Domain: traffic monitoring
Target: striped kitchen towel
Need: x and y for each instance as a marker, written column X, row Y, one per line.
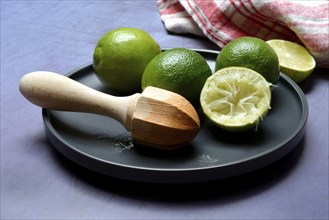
column 306, row 22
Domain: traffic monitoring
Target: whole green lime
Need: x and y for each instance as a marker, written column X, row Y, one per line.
column 252, row 53
column 179, row 70
column 121, row 56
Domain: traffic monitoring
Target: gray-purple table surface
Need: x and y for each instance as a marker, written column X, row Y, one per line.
column 37, row 182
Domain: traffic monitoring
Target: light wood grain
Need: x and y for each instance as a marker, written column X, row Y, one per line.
column 156, row 118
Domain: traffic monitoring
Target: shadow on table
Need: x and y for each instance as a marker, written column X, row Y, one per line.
column 309, row 83
column 232, row 188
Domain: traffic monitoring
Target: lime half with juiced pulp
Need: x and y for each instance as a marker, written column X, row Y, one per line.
column 236, row 98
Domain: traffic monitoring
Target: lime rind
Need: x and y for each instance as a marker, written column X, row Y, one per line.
column 236, row 98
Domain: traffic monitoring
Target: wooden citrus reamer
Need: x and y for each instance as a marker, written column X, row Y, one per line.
column 156, row 117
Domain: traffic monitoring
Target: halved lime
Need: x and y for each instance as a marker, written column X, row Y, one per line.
column 295, row 60
column 236, row 98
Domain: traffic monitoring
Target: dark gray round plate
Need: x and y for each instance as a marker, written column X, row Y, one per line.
column 103, row 145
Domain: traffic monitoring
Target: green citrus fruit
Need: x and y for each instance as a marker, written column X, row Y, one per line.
column 295, row 61
column 121, row 56
column 179, row 70
column 252, row 53
column 236, row 98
